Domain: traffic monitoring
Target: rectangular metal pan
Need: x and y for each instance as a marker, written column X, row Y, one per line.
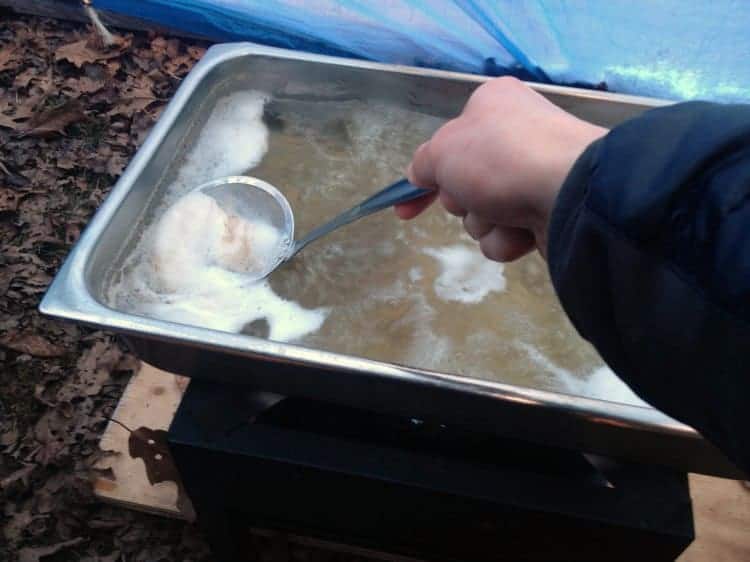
column 630, row 432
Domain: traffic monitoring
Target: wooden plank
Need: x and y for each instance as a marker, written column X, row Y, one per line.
column 150, row 400
column 722, row 520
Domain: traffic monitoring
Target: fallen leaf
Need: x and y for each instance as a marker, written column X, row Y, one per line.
column 65, row 162
column 43, row 84
column 83, row 85
column 173, row 47
column 113, row 66
column 20, row 112
column 55, row 120
column 9, row 122
column 174, row 65
column 46, row 496
column 133, row 536
column 114, row 557
column 50, row 451
column 101, row 523
column 8, row 199
column 151, row 446
column 33, row 344
column 72, row 232
column 20, row 474
column 8, row 55
column 22, row 80
column 115, row 165
column 196, row 52
column 102, row 355
column 9, row 436
column 133, row 100
column 15, row 527
column 35, row 554
column 40, row 392
column 79, row 53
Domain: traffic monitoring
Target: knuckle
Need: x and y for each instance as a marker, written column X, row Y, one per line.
column 489, row 251
column 508, row 82
column 490, row 91
column 443, row 137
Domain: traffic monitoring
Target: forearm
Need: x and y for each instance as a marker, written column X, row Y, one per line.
column 649, row 251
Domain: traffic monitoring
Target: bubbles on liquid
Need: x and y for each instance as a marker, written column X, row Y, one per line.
column 601, row 383
column 233, row 140
column 466, row 276
column 197, row 263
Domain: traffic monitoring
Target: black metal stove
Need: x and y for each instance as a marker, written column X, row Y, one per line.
column 408, row 487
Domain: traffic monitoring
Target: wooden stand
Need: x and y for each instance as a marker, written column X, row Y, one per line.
column 721, row 507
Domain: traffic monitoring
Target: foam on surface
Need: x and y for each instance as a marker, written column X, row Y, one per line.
column 602, row 383
column 232, row 141
column 196, row 237
column 466, row 275
column 195, row 264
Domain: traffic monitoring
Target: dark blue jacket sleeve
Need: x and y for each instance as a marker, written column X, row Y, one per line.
column 649, row 252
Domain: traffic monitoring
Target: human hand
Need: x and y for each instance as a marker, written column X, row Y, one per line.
column 500, row 165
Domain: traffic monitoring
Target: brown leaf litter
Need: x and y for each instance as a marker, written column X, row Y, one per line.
column 32, row 344
column 81, row 52
column 55, row 120
column 72, row 114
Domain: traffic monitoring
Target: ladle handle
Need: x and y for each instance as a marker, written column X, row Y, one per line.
column 399, row 192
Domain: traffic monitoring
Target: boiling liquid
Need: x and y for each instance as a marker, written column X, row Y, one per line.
column 417, row 293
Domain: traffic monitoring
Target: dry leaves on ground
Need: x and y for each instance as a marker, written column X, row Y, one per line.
column 82, row 52
column 55, row 120
column 35, row 554
column 31, row 344
column 72, row 113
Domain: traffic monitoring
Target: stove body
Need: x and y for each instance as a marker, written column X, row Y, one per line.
column 402, row 487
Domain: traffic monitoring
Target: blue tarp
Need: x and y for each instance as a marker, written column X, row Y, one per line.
column 674, row 49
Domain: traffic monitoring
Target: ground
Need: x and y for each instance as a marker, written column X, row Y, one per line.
column 72, row 113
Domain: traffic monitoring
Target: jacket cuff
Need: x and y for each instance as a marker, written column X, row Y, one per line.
column 568, row 205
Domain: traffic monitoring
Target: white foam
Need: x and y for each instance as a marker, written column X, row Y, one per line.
column 233, row 140
column 229, row 305
column 466, row 275
column 195, row 235
column 415, row 274
column 602, row 383
column 195, row 264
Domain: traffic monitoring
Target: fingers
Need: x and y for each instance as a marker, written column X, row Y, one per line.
column 476, row 227
column 506, row 244
column 421, row 171
column 497, row 242
column 451, row 205
column 411, row 209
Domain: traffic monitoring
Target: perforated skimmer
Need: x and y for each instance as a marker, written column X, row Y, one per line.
column 254, row 199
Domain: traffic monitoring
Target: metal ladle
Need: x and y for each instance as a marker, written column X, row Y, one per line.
column 256, row 200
